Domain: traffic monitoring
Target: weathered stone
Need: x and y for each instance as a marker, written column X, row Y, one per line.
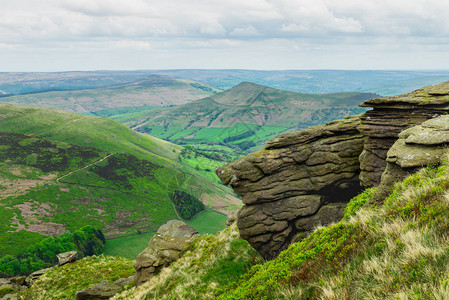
column 232, row 217
column 292, row 177
column 103, row 290
column 414, row 155
column 35, row 275
column 390, row 116
column 416, row 147
column 67, row 257
column 17, row 283
column 329, row 213
column 302, row 179
column 165, row 247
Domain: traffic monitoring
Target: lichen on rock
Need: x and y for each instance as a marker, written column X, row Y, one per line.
column 417, row 147
column 389, row 117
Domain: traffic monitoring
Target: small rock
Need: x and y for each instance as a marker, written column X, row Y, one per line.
column 35, row 275
column 103, row 290
column 67, row 257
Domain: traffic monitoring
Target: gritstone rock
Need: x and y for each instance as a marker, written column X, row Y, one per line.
column 165, row 247
column 390, row 116
column 287, row 186
column 67, row 257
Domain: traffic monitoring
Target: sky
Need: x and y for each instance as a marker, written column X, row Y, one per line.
column 63, row 35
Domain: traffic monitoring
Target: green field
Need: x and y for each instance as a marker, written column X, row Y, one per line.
column 208, row 222
column 128, row 246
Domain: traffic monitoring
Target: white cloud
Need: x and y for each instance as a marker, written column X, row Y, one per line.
column 247, row 31
column 172, row 25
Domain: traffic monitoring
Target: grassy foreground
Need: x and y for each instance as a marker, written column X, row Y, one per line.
column 63, row 282
column 397, row 251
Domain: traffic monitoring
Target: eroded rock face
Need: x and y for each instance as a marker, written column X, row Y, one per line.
column 416, row 147
column 390, row 116
column 165, row 247
column 298, row 181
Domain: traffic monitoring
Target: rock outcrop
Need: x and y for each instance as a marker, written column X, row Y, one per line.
column 416, row 147
column 165, row 247
column 295, row 183
column 303, row 179
column 390, row 116
column 104, row 289
column 67, row 257
column 35, row 276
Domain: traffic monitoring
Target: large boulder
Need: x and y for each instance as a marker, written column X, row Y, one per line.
column 298, row 181
column 165, row 247
column 416, row 147
column 389, row 117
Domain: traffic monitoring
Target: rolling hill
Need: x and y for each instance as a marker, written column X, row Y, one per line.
column 32, row 82
column 243, row 118
column 383, row 82
column 144, row 94
column 60, row 171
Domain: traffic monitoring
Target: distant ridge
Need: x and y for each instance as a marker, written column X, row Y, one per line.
column 145, row 93
column 244, row 117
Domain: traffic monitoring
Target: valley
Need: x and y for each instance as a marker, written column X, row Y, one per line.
column 241, row 119
column 126, row 158
column 61, row 171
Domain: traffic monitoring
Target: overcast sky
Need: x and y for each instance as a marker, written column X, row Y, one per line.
column 56, row 35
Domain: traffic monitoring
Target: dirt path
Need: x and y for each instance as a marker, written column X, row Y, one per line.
column 176, row 211
column 85, row 167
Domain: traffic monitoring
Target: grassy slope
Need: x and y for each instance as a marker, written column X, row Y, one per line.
column 242, row 118
column 63, row 282
column 154, row 91
column 120, row 194
column 135, row 198
column 397, row 251
column 210, row 263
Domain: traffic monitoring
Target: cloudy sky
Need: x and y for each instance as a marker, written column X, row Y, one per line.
column 56, row 35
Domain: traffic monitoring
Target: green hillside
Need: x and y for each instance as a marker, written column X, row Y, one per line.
column 142, row 95
column 397, row 251
column 60, row 171
column 243, row 118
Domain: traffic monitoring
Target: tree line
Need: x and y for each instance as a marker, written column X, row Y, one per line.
column 87, row 241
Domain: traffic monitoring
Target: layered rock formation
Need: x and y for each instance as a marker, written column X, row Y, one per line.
column 299, row 180
column 303, row 179
column 390, row 116
column 165, row 247
column 416, row 147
